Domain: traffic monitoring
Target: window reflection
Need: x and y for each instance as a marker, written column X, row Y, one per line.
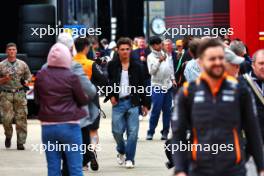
column 82, row 12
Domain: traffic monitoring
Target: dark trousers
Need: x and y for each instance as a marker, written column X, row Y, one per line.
column 168, row 153
column 86, row 140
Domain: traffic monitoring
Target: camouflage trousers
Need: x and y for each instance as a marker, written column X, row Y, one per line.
column 13, row 106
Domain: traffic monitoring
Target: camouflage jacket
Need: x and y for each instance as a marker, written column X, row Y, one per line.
column 18, row 71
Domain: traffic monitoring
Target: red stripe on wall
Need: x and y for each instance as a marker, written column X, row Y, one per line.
column 200, row 14
column 198, row 21
column 204, row 18
column 192, row 17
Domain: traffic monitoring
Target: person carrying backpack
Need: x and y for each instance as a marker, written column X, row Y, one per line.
column 215, row 109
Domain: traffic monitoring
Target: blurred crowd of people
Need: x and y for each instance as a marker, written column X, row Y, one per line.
column 209, row 91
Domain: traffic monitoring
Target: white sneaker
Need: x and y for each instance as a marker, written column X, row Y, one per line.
column 85, row 168
column 120, row 159
column 147, row 117
column 129, row 164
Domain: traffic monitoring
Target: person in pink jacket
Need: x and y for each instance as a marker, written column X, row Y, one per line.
column 59, row 93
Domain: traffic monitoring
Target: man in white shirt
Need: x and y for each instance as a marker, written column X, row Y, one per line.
column 126, row 75
column 162, row 78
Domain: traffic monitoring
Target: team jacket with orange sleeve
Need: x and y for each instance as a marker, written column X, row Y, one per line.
column 216, row 117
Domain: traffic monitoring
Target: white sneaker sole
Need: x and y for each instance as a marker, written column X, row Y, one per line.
column 121, row 161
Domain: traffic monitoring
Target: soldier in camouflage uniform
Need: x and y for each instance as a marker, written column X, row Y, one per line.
column 13, row 102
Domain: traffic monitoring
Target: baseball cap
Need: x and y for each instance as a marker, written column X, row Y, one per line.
column 232, row 58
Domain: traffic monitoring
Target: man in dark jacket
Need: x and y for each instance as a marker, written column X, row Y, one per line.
column 126, row 75
column 181, row 59
column 257, row 76
column 94, row 73
column 140, row 55
column 239, row 48
column 203, row 109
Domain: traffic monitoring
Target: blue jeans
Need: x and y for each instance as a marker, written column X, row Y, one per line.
column 56, row 135
column 160, row 102
column 125, row 118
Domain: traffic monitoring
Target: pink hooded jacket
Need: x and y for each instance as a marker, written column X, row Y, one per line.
column 59, row 56
column 58, row 90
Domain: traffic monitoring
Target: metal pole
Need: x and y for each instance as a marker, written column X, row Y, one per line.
column 111, row 15
column 111, row 9
column 96, row 13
